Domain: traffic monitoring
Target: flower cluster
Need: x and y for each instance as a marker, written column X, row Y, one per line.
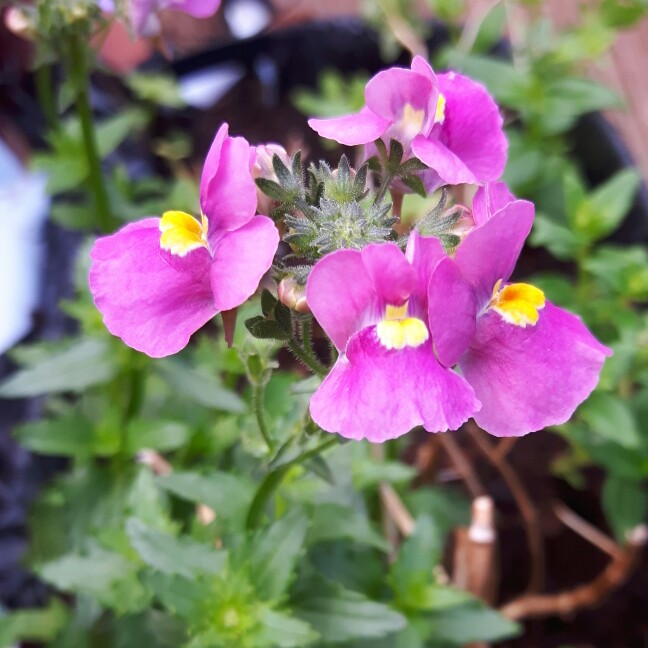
column 427, row 334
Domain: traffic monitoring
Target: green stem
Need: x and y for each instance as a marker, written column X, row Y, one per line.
column 45, row 94
column 258, row 399
column 272, row 480
column 79, row 73
column 308, row 358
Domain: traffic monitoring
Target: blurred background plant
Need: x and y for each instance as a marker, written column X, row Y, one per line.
column 173, row 521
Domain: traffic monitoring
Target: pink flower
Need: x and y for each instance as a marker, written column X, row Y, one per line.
column 530, row 363
column 141, row 14
column 387, row 379
column 159, row 280
column 448, row 121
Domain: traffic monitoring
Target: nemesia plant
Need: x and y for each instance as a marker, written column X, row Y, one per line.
column 159, row 280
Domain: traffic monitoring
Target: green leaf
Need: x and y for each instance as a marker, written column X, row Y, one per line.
column 625, row 503
column 369, row 473
column 611, row 418
column 182, row 556
column 415, row 184
column 284, row 631
column 69, row 436
column 228, row 494
column 266, row 329
column 335, row 522
column 89, row 362
column 341, row 615
column 181, row 596
column 105, row 576
column 411, row 574
column 274, row 554
column 560, row 241
column 271, row 189
column 202, row 387
column 156, row 434
column 458, row 626
column 580, row 95
column 602, row 211
column 159, row 89
column 38, row 625
column 113, row 131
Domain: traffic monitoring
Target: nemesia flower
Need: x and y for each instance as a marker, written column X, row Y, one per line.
column 142, row 14
column 387, row 379
column 159, row 280
column 447, row 121
column 530, row 363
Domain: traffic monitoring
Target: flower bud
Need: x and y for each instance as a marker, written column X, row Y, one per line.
column 262, row 167
column 291, row 294
column 18, row 23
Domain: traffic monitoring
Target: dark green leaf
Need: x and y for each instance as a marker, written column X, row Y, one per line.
column 38, row 625
column 156, row 435
column 271, row 189
column 415, row 184
column 625, row 503
column 611, row 418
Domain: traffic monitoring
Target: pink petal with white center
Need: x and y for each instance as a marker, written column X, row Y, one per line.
column 350, row 130
column 378, row 394
column 241, row 258
column 341, row 294
column 391, row 274
column 533, row 377
column 149, row 305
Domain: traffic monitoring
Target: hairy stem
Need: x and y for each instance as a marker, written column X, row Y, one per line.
column 258, row 398
column 307, row 357
column 79, row 74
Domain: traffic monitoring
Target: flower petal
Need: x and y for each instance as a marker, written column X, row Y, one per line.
column 489, row 252
column 149, row 305
column 358, row 128
column 449, row 167
column 391, row 274
column 472, row 129
column 423, row 252
column 228, row 194
column 376, row 394
column 195, row 8
column 340, row 293
column 241, row 258
column 388, row 92
column 529, row 378
column 489, row 199
column 452, row 312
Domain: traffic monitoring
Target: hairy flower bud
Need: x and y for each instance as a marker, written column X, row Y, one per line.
column 263, row 167
column 18, row 23
column 291, row 294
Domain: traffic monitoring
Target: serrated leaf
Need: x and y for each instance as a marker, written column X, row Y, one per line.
column 265, row 329
column 283, row 317
column 156, row 434
column 395, row 156
column 268, row 302
column 89, row 362
column 340, row 615
column 602, row 211
column 611, row 418
column 335, row 522
column 182, row 556
column 274, row 553
column 104, row 576
column 411, row 574
column 202, row 387
column 461, row 625
column 228, row 494
column 284, row 631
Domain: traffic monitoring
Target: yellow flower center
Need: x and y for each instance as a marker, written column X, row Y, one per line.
column 398, row 331
column 411, row 121
column 439, row 116
column 518, row 303
column 181, row 233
